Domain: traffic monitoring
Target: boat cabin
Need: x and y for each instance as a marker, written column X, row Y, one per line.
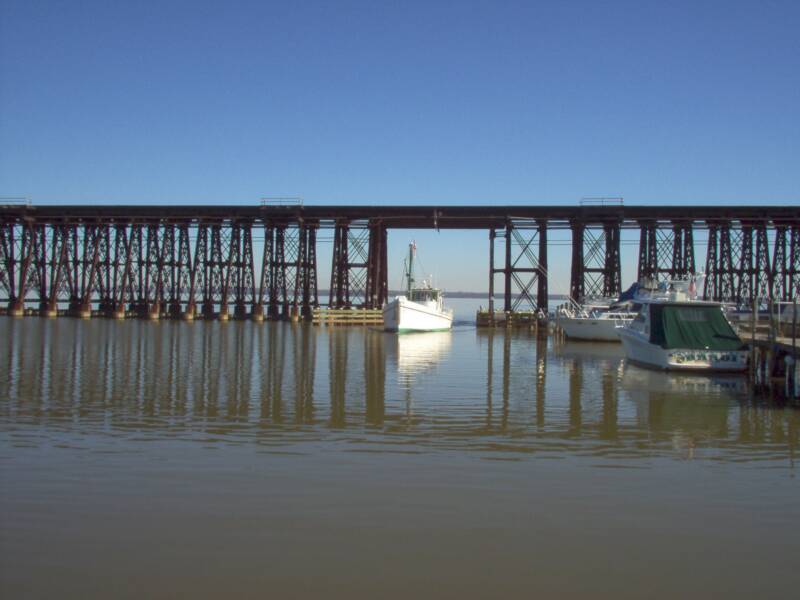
column 424, row 295
column 686, row 325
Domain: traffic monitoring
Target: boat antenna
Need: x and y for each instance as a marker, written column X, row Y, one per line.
column 412, row 250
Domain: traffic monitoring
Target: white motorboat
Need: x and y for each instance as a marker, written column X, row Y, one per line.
column 421, row 309
column 674, row 331
column 593, row 321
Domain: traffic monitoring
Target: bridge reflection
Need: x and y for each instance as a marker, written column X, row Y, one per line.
column 486, row 389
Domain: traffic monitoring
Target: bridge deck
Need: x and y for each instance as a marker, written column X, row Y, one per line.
column 422, row 217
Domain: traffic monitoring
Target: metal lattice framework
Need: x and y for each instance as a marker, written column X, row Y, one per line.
column 666, row 251
column 359, row 273
column 525, row 266
column 155, row 269
column 596, row 263
column 242, row 261
column 738, row 263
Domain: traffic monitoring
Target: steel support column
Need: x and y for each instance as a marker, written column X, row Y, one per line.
column 338, row 297
column 265, row 280
column 683, row 264
column 25, row 258
column 278, row 302
column 377, row 283
column 525, row 267
column 542, row 292
column 648, row 251
column 599, row 256
column 612, row 268
column 793, row 266
column 576, row 287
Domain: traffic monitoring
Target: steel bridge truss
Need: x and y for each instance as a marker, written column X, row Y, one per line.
column 596, row 269
column 666, row 251
column 157, row 269
column 738, row 264
column 524, row 267
column 359, row 273
column 219, row 261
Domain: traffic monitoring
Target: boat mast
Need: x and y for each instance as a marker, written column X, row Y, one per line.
column 412, row 247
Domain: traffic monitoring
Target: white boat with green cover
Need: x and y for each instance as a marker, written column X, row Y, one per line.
column 674, row 332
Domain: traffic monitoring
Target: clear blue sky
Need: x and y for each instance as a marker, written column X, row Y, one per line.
column 401, row 102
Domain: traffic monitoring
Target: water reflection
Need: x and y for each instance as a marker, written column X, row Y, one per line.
column 417, row 353
column 490, row 391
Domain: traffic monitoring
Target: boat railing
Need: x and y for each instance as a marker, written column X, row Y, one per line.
column 621, row 318
column 572, row 309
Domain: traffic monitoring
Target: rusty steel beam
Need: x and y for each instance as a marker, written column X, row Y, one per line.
column 311, row 288
column 24, row 260
column 612, row 267
column 40, row 264
column 542, row 293
column 266, row 273
column 407, row 216
column 683, row 263
column 648, row 250
column 278, row 300
column 244, row 273
column 577, row 287
column 299, row 304
column 377, row 281
column 340, row 273
column 793, row 263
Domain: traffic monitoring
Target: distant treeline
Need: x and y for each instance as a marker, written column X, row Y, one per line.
column 460, row 294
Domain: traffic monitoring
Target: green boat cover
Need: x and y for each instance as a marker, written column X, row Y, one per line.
column 692, row 327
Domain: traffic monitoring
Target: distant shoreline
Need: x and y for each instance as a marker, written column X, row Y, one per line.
column 480, row 295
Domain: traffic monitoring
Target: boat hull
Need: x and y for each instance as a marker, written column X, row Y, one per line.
column 581, row 328
column 639, row 350
column 402, row 315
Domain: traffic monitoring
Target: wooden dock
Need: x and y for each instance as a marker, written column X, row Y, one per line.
column 773, row 355
column 513, row 320
column 347, row 316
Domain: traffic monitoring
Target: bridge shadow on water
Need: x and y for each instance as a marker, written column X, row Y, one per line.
column 507, row 395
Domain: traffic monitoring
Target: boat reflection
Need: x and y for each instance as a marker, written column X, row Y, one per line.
column 637, row 379
column 418, row 353
column 493, row 391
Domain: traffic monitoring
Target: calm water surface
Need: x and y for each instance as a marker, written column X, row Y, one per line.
column 204, row 460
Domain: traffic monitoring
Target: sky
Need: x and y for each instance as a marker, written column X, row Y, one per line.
column 402, row 103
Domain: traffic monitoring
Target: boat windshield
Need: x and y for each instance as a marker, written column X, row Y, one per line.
column 424, row 295
column 692, row 327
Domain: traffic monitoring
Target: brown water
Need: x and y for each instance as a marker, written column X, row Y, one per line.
column 206, row 460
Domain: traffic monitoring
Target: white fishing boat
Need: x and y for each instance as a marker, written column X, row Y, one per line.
column 674, row 331
column 421, row 309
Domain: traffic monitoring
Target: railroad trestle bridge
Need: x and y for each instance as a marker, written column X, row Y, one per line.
column 261, row 261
